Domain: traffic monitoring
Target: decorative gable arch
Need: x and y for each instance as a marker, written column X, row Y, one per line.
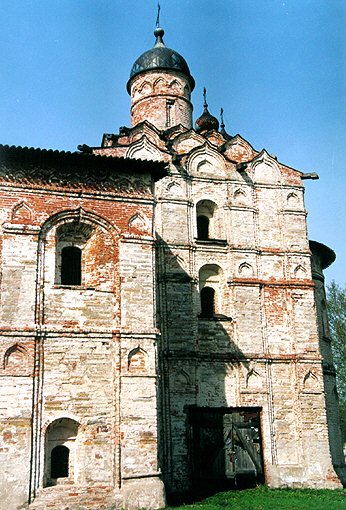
column 246, row 269
column 21, row 212
column 79, row 215
column 241, row 197
column 175, row 86
column 265, row 170
column 137, row 361
column 174, row 189
column 145, row 88
column 184, row 141
column 139, row 222
column 144, row 149
column 300, row 272
column 292, row 200
column 16, row 357
column 238, row 149
column 253, row 380
column 160, row 83
column 205, row 161
column 311, row 383
column 182, row 381
column 215, row 138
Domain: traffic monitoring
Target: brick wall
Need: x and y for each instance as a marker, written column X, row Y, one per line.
column 78, row 357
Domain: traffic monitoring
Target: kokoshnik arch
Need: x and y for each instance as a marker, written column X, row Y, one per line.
column 163, row 323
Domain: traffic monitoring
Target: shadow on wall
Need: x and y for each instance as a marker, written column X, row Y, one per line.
column 205, row 444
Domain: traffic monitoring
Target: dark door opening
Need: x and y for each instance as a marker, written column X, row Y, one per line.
column 226, row 448
column 59, row 462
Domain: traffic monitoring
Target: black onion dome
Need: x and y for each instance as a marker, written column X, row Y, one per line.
column 207, row 121
column 160, row 57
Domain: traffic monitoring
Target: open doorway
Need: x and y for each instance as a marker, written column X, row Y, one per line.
column 59, row 462
column 60, row 452
column 226, row 448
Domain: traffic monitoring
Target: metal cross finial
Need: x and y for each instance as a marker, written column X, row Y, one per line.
column 158, row 15
column 222, row 122
column 205, row 97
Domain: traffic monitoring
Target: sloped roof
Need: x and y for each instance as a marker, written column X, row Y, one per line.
column 57, row 158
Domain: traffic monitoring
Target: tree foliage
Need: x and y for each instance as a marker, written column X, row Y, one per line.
column 336, row 296
column 337, row 325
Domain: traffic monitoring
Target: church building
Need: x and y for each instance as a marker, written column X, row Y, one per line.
column 163, row 322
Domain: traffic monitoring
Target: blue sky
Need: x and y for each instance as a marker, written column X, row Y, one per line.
column 277, row 67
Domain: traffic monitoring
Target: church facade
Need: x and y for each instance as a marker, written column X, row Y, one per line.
column 163, row 319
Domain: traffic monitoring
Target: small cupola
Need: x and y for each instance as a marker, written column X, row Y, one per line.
column 160, row 58
column 206, row 122
column 160, row 87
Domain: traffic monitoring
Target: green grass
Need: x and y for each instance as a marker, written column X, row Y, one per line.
column 263, row 498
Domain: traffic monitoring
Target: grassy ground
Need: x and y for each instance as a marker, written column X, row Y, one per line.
column 263, row 498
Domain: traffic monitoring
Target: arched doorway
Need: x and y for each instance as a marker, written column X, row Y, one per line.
column 61, row 452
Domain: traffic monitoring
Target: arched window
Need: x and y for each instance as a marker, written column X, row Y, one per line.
column 72, row 240
column 202, row 228
column 71, row 265
column 207, row 302
column 84, row 254
column 59, row 464
column 61, row 452
column 210, row 277
column 207, row 220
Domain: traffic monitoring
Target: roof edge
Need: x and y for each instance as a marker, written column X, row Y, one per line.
column 326, row 254
column 9, row 153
